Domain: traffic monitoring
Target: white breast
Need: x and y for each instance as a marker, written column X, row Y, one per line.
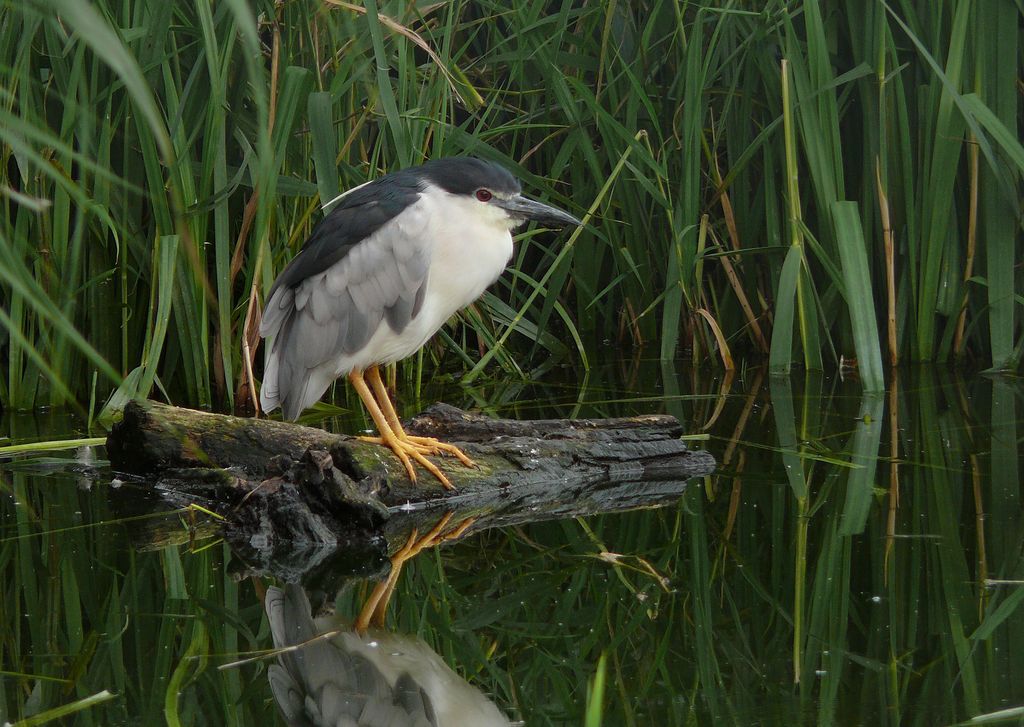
column 470, row 247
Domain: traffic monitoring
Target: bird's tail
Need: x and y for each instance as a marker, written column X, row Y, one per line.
column 287, row 383
column 279, row 309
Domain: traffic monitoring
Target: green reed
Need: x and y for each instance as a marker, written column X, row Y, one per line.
column 162, row 161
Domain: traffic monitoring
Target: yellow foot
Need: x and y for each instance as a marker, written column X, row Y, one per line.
column 407, row 451
column 410, row 447
column 435, row 446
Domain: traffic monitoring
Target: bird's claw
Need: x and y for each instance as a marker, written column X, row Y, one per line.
column 409, row 447
column 435, row 446
column 406, row 451
column 374, row 394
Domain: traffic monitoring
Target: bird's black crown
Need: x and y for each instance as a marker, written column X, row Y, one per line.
column 465, row 175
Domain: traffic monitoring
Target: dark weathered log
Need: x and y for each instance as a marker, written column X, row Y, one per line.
column 153, row 438
column 287, row 489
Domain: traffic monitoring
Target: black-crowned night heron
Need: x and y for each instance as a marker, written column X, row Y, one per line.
column 381, row 273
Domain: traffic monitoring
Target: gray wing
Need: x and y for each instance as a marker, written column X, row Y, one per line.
column 335, row 309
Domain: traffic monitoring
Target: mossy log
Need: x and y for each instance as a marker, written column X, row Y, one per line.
column 289, row 489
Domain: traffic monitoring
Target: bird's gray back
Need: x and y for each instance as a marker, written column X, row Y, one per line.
column 363, row 210
column 358, row 215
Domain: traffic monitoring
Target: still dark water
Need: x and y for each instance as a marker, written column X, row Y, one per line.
column 854, row 560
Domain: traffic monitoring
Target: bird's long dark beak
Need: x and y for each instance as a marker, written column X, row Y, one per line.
column 527, row 209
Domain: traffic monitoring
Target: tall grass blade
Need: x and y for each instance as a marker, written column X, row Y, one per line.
column 998, row 75
column 781, row 357
column 860, row 299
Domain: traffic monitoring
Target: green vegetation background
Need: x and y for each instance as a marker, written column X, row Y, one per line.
column 802, row 180
column 774, row 180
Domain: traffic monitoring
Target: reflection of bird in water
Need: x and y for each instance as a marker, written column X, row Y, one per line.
column 329, row 674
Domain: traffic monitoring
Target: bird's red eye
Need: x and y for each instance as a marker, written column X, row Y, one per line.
column 484, row 195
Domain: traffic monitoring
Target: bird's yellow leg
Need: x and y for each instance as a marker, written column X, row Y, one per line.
column 405, row 451
column 380, row 393
column 428, row 445
column 375, row 608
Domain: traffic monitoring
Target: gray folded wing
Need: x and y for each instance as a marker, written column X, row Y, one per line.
column 335, row 294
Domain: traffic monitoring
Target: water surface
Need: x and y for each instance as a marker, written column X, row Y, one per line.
column 854, row 560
